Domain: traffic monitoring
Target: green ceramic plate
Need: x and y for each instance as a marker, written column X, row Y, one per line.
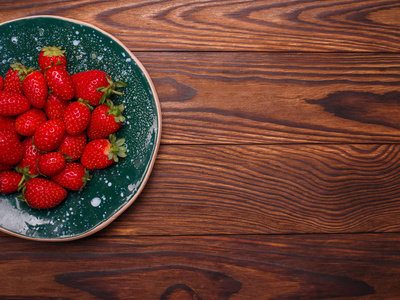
column 113, row 190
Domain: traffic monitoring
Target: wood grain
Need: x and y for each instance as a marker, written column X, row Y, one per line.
column 277, row 177
column 209, row 98
column 259, row 189
column 233, row 25
column 365, row 266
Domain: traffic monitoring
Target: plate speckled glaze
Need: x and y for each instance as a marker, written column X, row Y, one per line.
column 112, row 190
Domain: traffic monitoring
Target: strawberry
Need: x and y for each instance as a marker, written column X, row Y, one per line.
column 55, row 107
column 8, row 123
column 34, row 88
column 72, row 146
column 50, row 56
column 60, row 82
column 30, row 158
column 101, row 153
column 95, row 86
column 76, row 117
column 27, row 123
column 1, row 83
column 49, row 135
column 43, row 193
column 12, row 80
column 51, row 163
column 9, row 181
column 12, row 103
column 73, row 177
column 11, row 149
column 106, row 119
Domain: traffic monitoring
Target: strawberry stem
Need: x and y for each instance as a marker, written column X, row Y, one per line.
column 25, row 177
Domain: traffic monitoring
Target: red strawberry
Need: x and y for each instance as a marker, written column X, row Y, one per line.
column 12, row 103
column 95, row 86
column 50, row 56
column 101, row 153
column 106, row 119
column 27, row 123
column 60, row 82
column 1, row 83
column 50, row 164
column 31, row 157
column 34, row 88
column 43, row 193
column 72, row 146
column 9, row 181
column 12, row 80
column 76, row 117
column 11, row 149
column 8, row 123
column 55, row 107
column 73, row 177
column 49, row 135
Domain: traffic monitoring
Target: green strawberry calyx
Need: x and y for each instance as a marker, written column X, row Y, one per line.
column 117, row 150
column 85, row 102
column 85, row 179
column 116, row 111
column 108, row 91
column 26, row 176
column 23, row 71
column 51, row 51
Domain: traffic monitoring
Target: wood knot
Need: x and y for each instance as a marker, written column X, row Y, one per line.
column 180, row 292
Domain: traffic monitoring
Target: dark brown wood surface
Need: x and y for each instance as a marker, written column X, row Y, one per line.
column 278, row 175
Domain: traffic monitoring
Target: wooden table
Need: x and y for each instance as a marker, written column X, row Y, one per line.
column 278, row 174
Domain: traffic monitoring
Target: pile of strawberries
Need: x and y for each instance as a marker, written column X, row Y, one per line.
column 55, row 127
